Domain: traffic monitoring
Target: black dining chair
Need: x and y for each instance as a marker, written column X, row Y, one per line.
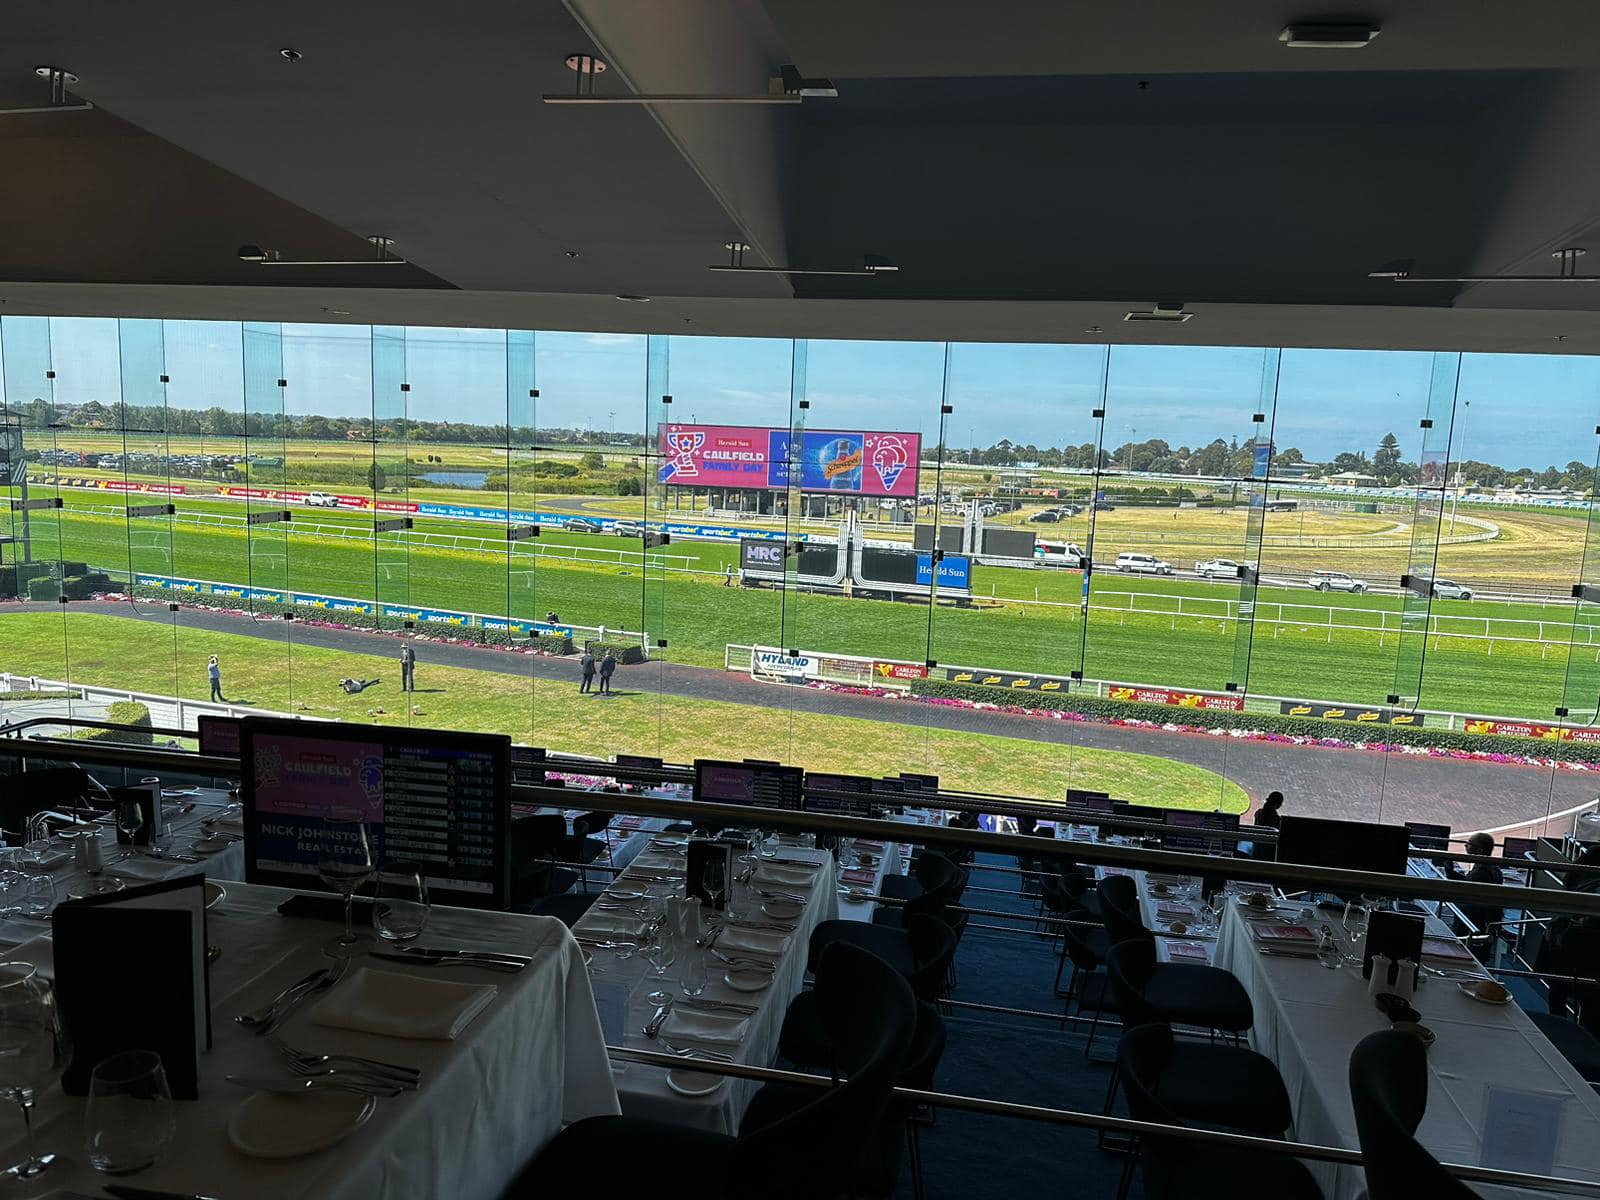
column 931, row 872
column 1176, row 993
column 1178, row 1169
column 582, row 847
column 1576, row 1044
column 921, row 950
column 1119, row 909
column 1089, row 986
column 534, row 873
column 62, row 788
column 1206, row 1083
column 1389, row 1092
column 800, row 1142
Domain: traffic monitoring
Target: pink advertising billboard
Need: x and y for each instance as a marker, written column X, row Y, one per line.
column 856, row 463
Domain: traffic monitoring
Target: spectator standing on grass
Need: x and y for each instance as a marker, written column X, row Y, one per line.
column 608, row 666
column 214, row 670
column 408, row 668
column 587, row 662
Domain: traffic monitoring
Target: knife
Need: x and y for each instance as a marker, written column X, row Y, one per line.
column 465, row 952
column 123, row 1192
column 444, row 960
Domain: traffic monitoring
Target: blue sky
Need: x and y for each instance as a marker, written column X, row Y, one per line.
column 1514, row 410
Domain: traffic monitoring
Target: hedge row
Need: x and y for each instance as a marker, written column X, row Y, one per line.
column 122, row 712
column 1310, row 727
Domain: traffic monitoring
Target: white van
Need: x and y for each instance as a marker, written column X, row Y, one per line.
column 1145, row 564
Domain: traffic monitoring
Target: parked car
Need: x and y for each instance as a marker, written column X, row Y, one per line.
column 1144, row 564
column 322, row 500
column 1448, row 589
column 1337, row 581
column 1218, row 568
column 582, row 525
column 626, row 529
column 1104, row 506
column 1048, row 516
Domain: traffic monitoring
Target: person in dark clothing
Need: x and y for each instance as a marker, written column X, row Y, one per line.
column 408, row 668
column 355, row 687
column 587, row 662
column 608, row 667
column 1267, row 814
column 1485, row 870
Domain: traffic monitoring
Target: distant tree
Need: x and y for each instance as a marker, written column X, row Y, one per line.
column 593, row 460
column 1351, row 462
column 1386, row 460
column 1288, row 457
column 630, row 485
column 375, row 477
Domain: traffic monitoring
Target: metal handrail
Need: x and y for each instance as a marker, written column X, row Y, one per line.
column 1103, row 1121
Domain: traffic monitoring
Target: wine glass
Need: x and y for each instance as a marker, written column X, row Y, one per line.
column 344, row 863
column 130, row 819
column 34, row 1050
column 714, row 881
column 661, row 953
column 128, row 1123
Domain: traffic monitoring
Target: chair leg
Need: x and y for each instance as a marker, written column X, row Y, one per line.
column 1094, row 1027
column 1127, row 1170
column 1061, row 966
column 914, row 1156
column 1111, row 1098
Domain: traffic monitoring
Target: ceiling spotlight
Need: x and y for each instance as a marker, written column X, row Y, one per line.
column 1094, row 329
column 274, row 258
column 1400, row 271
column 871, row 264
column 632, row 299
column 789, row 87
column 289, row 54
column 60, row 80
column 1169, row 312
column 337, row 312
column 1328, row 35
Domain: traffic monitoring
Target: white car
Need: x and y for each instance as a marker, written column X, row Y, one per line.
column 1218, row 568
column 1447, row 589
column 628, row 529
column 1337, row 581
column 322, row 500
column 1146, row 564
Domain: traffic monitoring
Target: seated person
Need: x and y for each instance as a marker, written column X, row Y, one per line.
column 1485, row 870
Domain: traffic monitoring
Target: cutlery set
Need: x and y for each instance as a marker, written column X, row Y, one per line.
column 430, row 956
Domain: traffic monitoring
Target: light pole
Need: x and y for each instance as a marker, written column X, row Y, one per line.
column 1455, row 498
column 613, row 427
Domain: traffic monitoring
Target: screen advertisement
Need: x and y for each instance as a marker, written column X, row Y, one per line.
column 850, row 462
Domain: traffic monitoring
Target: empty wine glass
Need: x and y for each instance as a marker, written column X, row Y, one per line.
column 661, row 953
column 714, row 881
column 344, row 863
column 130, row 819
column 128, row 1123
column 34, row 1050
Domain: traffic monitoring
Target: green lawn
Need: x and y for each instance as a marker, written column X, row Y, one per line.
column 111, row 651
column 1294, row 652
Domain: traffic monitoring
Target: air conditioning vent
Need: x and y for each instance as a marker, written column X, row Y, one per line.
column 1171, row 313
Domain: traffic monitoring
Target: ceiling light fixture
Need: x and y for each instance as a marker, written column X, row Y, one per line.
column 1328, row 35
column 1169, row 312
column 633, row 299
column 1401, row 271
column 290, row 54
column 274, row 258
column 60, row 80
column 871, row 264
column 789, row 87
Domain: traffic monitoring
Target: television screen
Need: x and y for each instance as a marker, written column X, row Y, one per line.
column 1428, row 837
column 639, row 762
column 1352, row 845
column 1519, row 848
column 431, row 797
column 847, row 794
column 1182, row 832
column 920, row 783
column 762, row 785
column 219, row 735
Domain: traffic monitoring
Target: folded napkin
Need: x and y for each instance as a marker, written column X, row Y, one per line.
column 403, row 1006
column 704, row 1027
column 140, row 867
column 785, row 876
column 870, row 847
column 755, row 941
column 612, row 924
column 658, row 862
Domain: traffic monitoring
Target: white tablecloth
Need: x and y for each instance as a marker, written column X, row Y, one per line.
column 643, row 1089
column 1308, row 1020
column 889, row 863
column 490, row 1100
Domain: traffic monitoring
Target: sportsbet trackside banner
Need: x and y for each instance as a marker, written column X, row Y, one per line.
column 853, row 463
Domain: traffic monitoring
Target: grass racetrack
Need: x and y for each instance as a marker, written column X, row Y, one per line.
column 273, row 672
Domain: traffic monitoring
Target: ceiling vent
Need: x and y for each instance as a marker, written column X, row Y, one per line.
column 1171, row 313
column 1328, row 35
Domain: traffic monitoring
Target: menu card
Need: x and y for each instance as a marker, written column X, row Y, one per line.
column 1192, row 951
column 699, row 852
column 131, row 975
column 1288, row 939
column 1446, row 948
column 1397, row 936
column 148, row 797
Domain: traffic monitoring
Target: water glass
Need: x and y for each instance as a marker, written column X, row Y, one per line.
column 128, row 1123
column 693, row 975
column 34, row 1050
column 36, row 896
column 400, row 908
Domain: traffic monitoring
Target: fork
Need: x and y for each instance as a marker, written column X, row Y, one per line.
column 361, row 1075
column 308, row 1059
column 334, row 974
column 697, row 1052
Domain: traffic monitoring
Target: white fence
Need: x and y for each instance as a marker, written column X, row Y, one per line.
column 167, row 712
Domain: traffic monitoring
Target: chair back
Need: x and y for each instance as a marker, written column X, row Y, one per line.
column 1129, row 966
column 1080, row 949
column 537, row 836
column 30, row 792
column 1119, row 906
column 1389, row 1092
column 1142, row 1055
column 590, row 823
column 933, row 945
column 936, row 873
column 868, row 1014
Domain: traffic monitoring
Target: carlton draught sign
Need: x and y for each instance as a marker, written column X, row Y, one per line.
column 854, row 463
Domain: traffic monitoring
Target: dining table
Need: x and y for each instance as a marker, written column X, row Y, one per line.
column 1499, row 1093
column 739, row 1015
column 489, row 1097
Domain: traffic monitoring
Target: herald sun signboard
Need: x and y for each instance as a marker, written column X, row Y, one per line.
column 852, row 463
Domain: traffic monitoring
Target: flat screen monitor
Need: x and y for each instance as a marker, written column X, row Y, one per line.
column 1183, row 830
column 1428, row 837
column 1352, row 845
column 639, row 762
column 1519, row 848
column 920, row 783
column 849, row 794
column 219, row 735
column 432, row 797
column 527, row 764
column 762, row 785
column 1094, row 801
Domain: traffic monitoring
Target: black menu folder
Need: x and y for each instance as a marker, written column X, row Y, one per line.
column 1397, row 935
column 699, row 852
column 130, row 974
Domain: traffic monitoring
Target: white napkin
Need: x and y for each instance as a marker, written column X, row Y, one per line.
column 658, row 862
column 704, row 1027
column 785, row 876
column 757, row 941
column 612, row 924
column 403, row 1006
column 141, row 867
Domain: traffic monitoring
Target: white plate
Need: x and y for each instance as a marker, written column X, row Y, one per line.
column 747, row 979
column 783, row 910
column 1466, row 989
column 215, row 893
column 269, row 1125
column 103, row 886
column 626, row 893
column 693, row 1083
column 211, row 844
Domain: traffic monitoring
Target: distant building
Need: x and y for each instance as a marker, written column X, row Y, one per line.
column 1353, row 479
